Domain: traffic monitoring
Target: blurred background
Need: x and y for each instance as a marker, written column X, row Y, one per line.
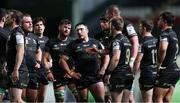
column 89, row 11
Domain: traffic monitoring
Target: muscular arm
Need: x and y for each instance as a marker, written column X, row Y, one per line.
column 19, row 56
column 46, row 60
column 104, row 63
column 63, row 63
column 138, row 61
column 162, row 51
column 38, row 54
column 135, row 45
column 114, row 60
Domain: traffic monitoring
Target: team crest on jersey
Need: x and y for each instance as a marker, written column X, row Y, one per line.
column 78, row 49
column 55, row 46
column 115, row 45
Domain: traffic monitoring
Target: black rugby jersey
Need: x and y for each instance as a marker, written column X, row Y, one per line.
column 121, row 43
column 148, row 47
column 32, row 45
column 42, row 41
column 3, row 40
column 104, row 38
column 171, row 54
column 56, row 49
column 85, row 63
column 16, row 37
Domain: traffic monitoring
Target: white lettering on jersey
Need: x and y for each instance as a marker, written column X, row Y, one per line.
column 19, row 39
column 130, row 30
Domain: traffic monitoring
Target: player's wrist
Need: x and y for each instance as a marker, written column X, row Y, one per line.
column 48, row 71
column 70, row 73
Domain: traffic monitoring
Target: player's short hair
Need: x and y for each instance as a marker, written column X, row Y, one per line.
column 64, row 21
column 104, row 18
column 148, row 24
column 168, row 17
column 37, row 19
column 81, row 23
column 3, row 13
column 118, row 23
column 17, row 15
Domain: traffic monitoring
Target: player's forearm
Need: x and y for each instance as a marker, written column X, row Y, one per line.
column 19, row 56
column 135, row 45
column 46, row 61
column 39, row 55
column 105, row 63
column 63, row 63
column 161, row 56
column 113, row 63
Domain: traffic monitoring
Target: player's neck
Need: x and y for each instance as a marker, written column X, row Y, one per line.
column 85, row 39
column 147, row 34
column 63, row 38
column 39, row 35
column 117, row 33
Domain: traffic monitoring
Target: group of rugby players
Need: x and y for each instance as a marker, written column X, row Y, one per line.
column 104, row 65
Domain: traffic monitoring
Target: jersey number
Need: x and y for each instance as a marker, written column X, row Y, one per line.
column 154, row 56
column 128, row 53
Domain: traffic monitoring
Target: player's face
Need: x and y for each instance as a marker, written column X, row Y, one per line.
column 27, row 23
column 104, row 25
column 39, row 27
column 82, row 32
column 65, row 29
column 9, row 20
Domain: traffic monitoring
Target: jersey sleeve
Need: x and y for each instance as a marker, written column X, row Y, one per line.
column 19, row 38
column 164, row 37
column 116, row 45
column 130, row 30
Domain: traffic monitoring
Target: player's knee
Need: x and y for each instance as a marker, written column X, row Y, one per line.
column 59, row 95
column 74, row 91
